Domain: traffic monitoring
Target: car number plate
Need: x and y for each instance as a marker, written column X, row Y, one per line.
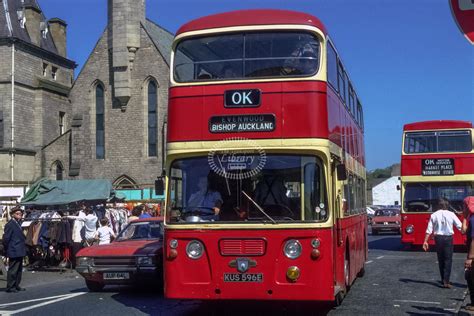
column 243, row 277
column 116, row 275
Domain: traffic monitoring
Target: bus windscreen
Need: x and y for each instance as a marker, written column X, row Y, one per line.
column 423, row 196
column 247, row 188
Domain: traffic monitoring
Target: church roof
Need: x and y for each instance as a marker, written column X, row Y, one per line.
column 10, row 24
column 162, row 39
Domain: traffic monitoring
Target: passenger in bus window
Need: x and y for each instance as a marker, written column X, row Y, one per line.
column 302, row 61
column 227, row 72
column 206, row 200
column 203, row 74
column 308, row 63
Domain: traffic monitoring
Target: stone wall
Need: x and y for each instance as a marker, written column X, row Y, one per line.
column 126, row 149
column 57, row 151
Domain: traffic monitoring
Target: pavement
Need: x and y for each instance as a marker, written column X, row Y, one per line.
column 466, row 301
column 40, row 278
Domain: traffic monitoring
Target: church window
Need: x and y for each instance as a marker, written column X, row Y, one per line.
column 54, row 72
column 99, row 122
column 2, row 127
column 61, row 122
column 152, row 120
column 59, row 171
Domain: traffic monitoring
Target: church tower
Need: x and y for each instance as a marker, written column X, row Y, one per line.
column 124, row 20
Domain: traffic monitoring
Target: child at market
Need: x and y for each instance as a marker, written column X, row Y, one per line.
column 104, row 234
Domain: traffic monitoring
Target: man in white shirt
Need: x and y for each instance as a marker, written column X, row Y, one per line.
column 441, row 225
column 90, row 225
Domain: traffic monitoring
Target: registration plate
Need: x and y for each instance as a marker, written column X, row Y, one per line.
column 243, row 277
column 116, row 276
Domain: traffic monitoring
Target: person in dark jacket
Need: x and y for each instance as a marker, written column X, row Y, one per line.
column 15, row 249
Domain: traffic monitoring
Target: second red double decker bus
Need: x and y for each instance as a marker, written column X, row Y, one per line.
column 437, row 162
column 265, row 162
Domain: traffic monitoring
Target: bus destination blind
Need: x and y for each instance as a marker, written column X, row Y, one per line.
column 437, row 167
column 242, row 123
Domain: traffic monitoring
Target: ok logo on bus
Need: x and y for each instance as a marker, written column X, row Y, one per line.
column 242, row 98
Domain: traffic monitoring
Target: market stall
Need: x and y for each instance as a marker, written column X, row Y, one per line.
column 48, row 222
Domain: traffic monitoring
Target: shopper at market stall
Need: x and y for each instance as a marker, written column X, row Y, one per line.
column 104, row 234
column 78, row 232
column 136, row 212
column 90, row 226
column 15, row 249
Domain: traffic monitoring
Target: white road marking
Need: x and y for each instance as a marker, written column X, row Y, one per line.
column 419, row 302
column 379, row 257
column 370, row 261
column 35, row 300
column 58, row 299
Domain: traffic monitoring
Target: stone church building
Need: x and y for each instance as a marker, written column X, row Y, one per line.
column 108, row 123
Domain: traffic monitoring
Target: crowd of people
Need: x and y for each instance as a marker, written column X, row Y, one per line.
column 90, row 225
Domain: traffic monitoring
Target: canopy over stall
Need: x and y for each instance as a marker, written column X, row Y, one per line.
column 61, row 192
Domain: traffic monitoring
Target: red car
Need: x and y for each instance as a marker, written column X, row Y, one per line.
column 386, row 220
column 135, row 256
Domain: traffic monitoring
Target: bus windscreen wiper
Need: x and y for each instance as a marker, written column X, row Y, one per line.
column 258, row 207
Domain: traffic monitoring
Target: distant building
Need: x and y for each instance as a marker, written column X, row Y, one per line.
column 35, row 80
column 386, row 192
column 375, row 182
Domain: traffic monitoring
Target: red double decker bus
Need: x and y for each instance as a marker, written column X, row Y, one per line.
column 265, row 162
column 437, row 162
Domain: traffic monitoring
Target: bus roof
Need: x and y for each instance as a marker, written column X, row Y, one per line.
column 438, row 124
column 251, row 17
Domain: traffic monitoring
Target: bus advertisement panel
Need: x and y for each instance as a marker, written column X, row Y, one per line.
column 265, row 170
column 437, row 162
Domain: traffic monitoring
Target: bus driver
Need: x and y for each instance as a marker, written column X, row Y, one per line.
column 206, row 201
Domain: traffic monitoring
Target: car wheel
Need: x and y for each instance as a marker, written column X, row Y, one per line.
column 94, row 286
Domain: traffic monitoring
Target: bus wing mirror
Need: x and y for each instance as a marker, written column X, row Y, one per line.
column 159, row 186
column 341, row 172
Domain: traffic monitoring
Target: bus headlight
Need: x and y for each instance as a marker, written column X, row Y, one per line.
column 194, row 249
column 292, row 249
column 409, row 229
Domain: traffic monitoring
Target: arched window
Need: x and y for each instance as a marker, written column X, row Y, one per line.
column 152, row 120
column 58, row 169
column 99, row 123
column 59, row 172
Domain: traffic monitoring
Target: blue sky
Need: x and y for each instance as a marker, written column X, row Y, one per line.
column 407, row 59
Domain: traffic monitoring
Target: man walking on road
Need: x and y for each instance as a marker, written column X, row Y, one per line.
column 14, row 246
column 441, row 225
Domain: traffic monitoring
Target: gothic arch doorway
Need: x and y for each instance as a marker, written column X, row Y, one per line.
column 125, row 182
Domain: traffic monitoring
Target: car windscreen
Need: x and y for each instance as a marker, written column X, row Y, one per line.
column 386, row 213
column 142, row 230
column 246, row 55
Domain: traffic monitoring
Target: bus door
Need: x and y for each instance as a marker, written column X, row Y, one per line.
column 338, row 254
